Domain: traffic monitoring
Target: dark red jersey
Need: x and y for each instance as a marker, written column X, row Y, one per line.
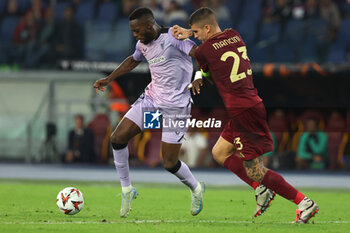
column 225, row 56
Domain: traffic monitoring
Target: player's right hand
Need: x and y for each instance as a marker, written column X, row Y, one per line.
column 100, row 84
column 195, row 86
column 180, row 32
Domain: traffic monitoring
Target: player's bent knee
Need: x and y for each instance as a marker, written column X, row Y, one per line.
column 215, row 152
column 117, row 146
column 218, row 155
column 172, row 167
column 118, row 138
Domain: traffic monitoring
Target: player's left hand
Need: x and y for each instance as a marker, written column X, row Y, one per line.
column 100, row 84
column 195, row 86
column 180, row 32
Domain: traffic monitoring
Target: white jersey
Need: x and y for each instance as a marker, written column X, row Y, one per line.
column 170, row 66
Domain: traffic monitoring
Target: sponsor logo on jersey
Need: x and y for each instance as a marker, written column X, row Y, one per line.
column 156, row 60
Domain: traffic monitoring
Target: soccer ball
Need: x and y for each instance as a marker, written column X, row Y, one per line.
column 70, row 201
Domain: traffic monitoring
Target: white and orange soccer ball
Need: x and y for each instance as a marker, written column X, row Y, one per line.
column 70, row 201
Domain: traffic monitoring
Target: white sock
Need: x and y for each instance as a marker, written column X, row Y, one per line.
column 121, row 163
column 304, row 203
column 126, row 189
column 185, row 175
column 198, row 189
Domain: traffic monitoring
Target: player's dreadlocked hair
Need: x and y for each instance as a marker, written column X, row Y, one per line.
column 203, row 14
column 141, row 12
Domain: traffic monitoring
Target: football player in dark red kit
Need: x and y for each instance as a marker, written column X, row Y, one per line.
column 246, row 136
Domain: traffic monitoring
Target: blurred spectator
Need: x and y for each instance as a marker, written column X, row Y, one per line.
column 312, row 147
column 80, row 143
column 279, row 157
column 45, row 42
column 127, row 7
column 155, row 6
column 102, row 129
column 26, row 31
column 344, row 153
column 48, row 150
column 38, row 11
column 175, row 15
column 268, row 7
column 69, row 37
column 41, row 49
column 75, row 4
column 270, row 158
column 311, row 9
column 222, row 12
column 279, row 126
column 335, row 129
column 344, row 6
column 194, row 148
column 8, row 22
column 277, row 11
column 24, row 39
column 12, row 10
column 329, row 11
column 196, row 3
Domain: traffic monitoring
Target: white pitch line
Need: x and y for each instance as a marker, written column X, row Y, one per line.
column 165, row 221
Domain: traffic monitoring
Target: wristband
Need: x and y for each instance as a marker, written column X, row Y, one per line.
column 198, row 75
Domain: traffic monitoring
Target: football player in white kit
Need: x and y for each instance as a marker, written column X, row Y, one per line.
column 171, row 70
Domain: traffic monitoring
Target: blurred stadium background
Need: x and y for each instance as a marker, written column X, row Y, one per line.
column 52, row 52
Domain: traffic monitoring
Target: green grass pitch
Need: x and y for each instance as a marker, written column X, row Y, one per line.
column 29, row 206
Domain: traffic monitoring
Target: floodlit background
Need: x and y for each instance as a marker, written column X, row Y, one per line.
column 52, row 51
column 54, row 128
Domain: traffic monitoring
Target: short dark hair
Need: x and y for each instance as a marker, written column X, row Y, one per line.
column 140, row 13
column 203, row 14
column 80, row 116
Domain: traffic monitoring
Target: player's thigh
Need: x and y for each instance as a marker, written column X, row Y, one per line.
column 131, row 124
column 222, row 150
column 125, row 130
column 170, row 153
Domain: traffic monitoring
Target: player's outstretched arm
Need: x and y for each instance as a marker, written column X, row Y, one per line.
column 127, row 65
column 181, row 33
column 196, row 84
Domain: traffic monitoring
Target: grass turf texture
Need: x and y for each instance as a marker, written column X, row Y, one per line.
column 29, row 206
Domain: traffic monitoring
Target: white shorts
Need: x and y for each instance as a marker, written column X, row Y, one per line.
column 172, row 132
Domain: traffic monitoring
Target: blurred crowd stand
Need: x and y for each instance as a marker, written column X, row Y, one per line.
column 39, row 33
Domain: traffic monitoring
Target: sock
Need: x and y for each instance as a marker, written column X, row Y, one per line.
column 121, row 163
column 275, row 182
column 182, row 171
column 198, row 189
column 126, row 189
column 304, row 203
column 235, row 165
column 300, row 198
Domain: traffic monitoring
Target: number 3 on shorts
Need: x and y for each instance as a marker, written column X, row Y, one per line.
column 238, row 143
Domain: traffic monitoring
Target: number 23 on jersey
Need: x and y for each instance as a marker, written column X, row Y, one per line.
column 234, row 76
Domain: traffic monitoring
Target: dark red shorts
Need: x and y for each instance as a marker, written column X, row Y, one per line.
column 249, row 132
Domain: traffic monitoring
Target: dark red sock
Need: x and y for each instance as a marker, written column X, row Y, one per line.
column 275, row 182
column 235, row 165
